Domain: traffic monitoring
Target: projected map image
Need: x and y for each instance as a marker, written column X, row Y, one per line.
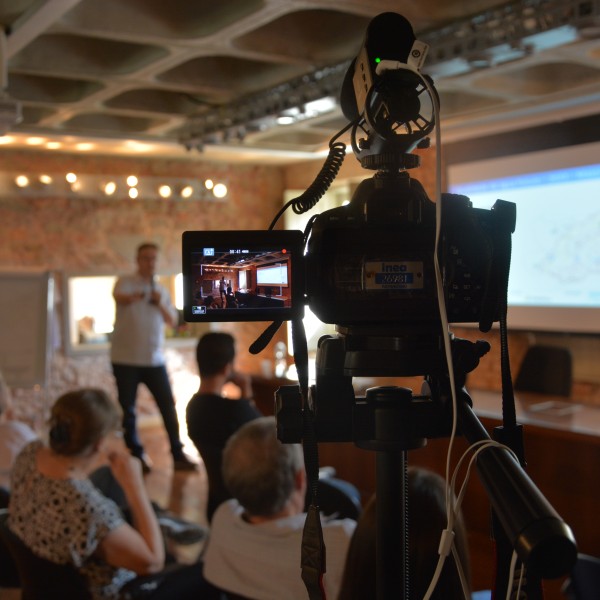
column 556, row 255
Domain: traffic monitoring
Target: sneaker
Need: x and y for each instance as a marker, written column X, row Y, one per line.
column 183, row 463
column 180, row 531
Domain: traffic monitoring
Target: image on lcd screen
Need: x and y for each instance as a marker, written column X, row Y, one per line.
column 240, row 278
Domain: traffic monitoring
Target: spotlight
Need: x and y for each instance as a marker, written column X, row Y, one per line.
column 187, row 191
column 220, row 190
column 165, row 191
column 110, row 188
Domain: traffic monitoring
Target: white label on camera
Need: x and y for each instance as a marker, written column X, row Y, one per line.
column 393, row 275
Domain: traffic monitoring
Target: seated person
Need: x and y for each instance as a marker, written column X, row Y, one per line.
column 230, row 301
column 212, row 418
column 14, row 436
column 426, row 521
column 255, row 542
column 210, row 302
column 60, row 515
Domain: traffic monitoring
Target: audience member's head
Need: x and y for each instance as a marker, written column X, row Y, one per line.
column 427, row 518
column 265, row 476
column 214, row 352
column 80, row 419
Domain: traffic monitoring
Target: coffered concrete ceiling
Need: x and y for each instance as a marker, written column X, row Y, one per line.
column 147, row 75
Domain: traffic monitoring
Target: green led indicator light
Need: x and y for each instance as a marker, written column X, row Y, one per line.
column 377, row 60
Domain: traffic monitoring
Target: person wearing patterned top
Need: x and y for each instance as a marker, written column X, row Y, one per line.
column 61, row 516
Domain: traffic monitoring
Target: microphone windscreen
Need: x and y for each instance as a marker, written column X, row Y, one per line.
column 347, row 95
column 389, row 36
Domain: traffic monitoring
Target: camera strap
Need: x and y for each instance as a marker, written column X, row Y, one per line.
column 313, row 544
column 511, row 435
column 261, row 342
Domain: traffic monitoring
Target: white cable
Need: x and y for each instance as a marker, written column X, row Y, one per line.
column 3, row 61
column 513, row 564
column 465, row 584
column 448, row 533
column 450, row 508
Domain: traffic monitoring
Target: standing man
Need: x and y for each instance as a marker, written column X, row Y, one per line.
column 143, row 308
column 222, row 291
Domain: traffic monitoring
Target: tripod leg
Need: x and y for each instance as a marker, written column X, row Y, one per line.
column 392, row 525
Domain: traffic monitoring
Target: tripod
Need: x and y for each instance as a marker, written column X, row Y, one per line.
column 392, row 421
column 402, row 422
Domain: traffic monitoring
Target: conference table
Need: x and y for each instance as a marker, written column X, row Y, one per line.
column 562, row 451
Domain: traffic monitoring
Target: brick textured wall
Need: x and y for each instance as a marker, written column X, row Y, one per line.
column 85, row 235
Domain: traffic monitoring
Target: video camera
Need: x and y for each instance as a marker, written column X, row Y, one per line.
column 367, row 267
column 390, row 270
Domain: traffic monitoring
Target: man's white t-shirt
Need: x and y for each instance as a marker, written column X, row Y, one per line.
column 139, row 327
column 262, row 561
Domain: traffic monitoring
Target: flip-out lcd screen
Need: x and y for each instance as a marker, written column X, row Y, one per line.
column 242, row 275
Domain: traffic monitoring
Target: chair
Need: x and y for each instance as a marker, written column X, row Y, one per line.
column 546, row 370
column 41, row 579
column 9, row 576
column 584, row 580
column 338, row 498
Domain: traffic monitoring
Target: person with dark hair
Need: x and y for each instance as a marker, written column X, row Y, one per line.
column 210, row 302
column 61, row 516
column 143, row 308
column 230, row 300
column 426, row 520
column 256, row 537
column 213, row 418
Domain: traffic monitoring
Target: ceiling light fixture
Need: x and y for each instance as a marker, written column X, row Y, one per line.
column 186, row 192
column 165, row 191
column 94, row 186
column 110, row 188
column 220, row 190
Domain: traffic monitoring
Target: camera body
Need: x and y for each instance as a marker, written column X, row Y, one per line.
column 371, row 263
column 367, row 266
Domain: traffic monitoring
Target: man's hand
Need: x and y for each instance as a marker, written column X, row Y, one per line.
column 154, row 297
column 243, row 381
